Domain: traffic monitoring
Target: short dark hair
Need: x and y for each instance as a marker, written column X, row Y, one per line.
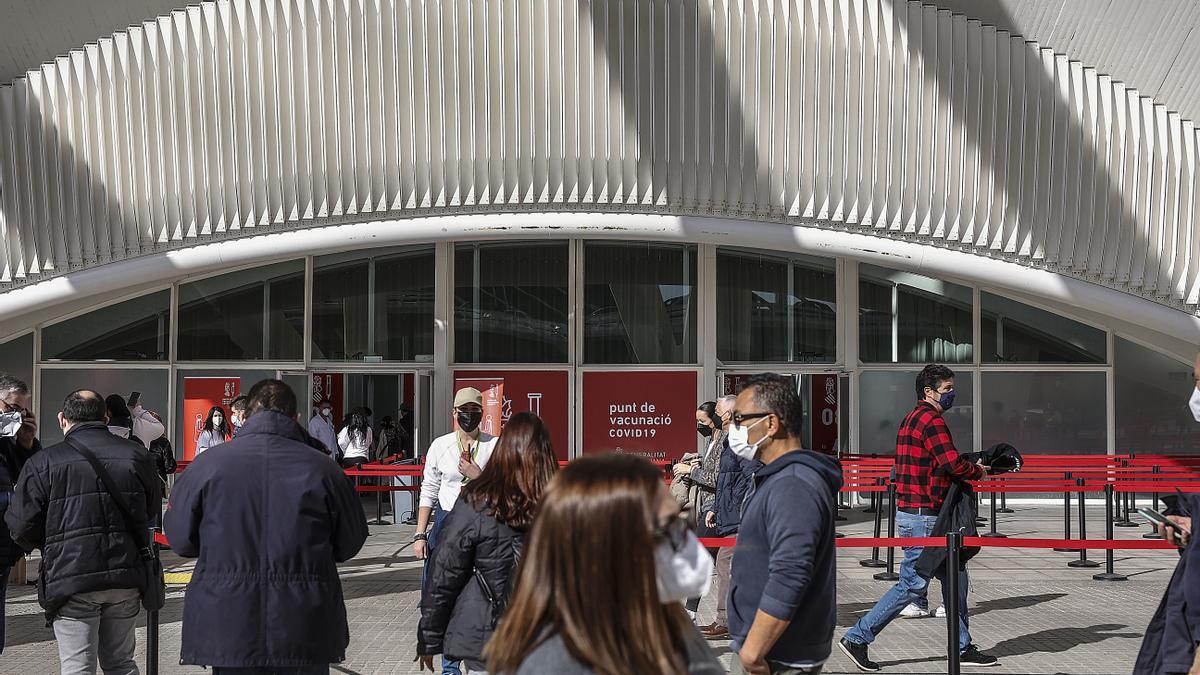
column 932, row 376
column 776, row 394
column 84, row 405
column 241, row 403
column 274, row 395
column 117, row 408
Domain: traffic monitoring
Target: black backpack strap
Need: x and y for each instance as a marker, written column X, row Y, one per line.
column 137, row 532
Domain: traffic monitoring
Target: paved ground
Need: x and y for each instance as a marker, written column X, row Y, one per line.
column 1028, row 608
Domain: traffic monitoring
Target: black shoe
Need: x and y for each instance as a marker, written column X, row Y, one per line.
column 973, row 658
column 858, row 654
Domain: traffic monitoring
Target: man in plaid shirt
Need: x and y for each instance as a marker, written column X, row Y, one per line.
column 923, row 444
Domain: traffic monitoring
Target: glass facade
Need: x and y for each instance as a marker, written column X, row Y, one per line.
column 251, row 315
column 133, row 330
column 909, row 318
column 373, row 308
column 511, row 302
column 371, row 319
column 639, row 303
column 772, row 309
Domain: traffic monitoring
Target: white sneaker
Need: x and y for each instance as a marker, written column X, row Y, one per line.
column 941, row 612
column 914, row 612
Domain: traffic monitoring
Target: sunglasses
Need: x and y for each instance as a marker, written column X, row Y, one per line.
column 738, row 418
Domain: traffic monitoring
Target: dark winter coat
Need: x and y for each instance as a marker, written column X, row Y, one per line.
column 457, row 619
column 269, row 516
column 785, row 563
column 960, row 510
column 164, row 457
column 1169, row 645
column 60, row 506
column 12, row 460
column 733, row 481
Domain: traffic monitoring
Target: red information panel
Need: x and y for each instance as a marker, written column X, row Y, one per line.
column 328, row 387
column 646, row 413
column 200, row 394
column 544, row 393
column 823, row 403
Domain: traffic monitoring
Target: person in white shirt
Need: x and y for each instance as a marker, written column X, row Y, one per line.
column 321, row 428
column 355, row 439
column 452, row 460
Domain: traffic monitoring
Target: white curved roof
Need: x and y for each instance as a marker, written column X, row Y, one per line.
column 900, row 120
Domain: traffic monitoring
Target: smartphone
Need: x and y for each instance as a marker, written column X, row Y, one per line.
column 134, row 399
column 1159, row 519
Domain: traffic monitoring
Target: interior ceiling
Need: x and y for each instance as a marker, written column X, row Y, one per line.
column 1152, row 46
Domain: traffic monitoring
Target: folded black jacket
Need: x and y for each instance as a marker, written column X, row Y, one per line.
column 959, row 511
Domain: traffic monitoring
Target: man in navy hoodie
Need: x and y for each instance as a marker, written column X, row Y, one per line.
column 782, row 604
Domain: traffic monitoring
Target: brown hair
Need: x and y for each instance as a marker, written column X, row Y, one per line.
column 587, row 575
column 516, row 474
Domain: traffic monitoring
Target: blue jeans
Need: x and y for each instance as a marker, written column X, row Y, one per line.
column 910, row 588
column 448, row 667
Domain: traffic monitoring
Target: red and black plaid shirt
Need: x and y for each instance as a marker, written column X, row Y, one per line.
column 922, row 445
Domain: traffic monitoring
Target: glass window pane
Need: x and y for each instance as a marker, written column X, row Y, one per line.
column 886, row 397
column 133, row 330
column 253, row 314
column 760, row 310
column 179, row 428
column 910, row 318
column 1152, row 394
column 57, row 383
column 1058, row 413
column 510, row 302
column 638, row 303
column 16, row 358
column 389, row 318
column 1017, row 333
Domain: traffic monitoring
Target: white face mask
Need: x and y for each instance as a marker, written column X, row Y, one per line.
column 739, row 440
column 325, row 412
column 217, row 419
column 682, row 574
column 1194, row 404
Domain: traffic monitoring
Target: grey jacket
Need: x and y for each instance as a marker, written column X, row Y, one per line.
column 704, row 477
column 552, row 657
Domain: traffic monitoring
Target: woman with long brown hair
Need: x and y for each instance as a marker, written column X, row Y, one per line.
column 469, row 577
column 606, row 565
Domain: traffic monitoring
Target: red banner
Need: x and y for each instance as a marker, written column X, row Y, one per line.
column 200, row 394
column 328, row 387
column 541, row 392
column 823, row 407
column 646, row 413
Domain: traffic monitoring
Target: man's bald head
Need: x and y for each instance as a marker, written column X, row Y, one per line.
column 84, row 405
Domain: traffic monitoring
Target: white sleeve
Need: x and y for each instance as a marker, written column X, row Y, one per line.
column 202, row 442
column 344, row 439
column 431, row 483
column 147, row 428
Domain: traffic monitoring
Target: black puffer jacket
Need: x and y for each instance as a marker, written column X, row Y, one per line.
column 12, row 460
column 269, row 516
column 61, row 507
column 457, row 619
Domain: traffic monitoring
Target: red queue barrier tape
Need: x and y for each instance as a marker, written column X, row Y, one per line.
column 987, row 542
column 387, row 488
column 160, row 538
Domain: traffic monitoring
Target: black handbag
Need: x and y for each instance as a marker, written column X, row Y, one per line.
column 155, row 595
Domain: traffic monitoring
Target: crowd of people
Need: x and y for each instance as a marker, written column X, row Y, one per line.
column 528, row 568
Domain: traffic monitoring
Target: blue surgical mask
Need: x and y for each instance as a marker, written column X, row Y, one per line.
column 946, row 400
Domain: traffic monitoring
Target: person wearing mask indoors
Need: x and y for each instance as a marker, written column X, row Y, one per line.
column 469, row 583
column 453, row 460
column 216, row 430
column 137, row 424
column 321, row 428
column 355, row 438
column 390, row 440
column 18, row 443
column 608, row 602
column 237, row 416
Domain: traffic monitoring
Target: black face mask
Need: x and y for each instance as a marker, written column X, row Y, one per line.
column 704, row 430
column 468, row 420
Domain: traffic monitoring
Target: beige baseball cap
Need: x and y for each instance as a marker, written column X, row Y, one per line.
column 468, row 395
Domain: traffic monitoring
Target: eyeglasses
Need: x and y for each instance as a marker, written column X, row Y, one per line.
column 738, row 418
column 676, row 529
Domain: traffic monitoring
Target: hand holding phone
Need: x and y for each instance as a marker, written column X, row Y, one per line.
column 1174, row 529
column 134, row 399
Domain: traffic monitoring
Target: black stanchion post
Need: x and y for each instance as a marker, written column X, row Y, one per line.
column 1083, row 559
column 1153, row 533
column 953, row 546
column 890, row 574
column 1004, row 504
column 152, row 627
column 874, row 505
column 1109, row 574
column 1066, row 517
column 994, row 511
column 874, row 560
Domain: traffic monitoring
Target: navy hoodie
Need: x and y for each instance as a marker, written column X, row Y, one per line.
column 785, row 562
